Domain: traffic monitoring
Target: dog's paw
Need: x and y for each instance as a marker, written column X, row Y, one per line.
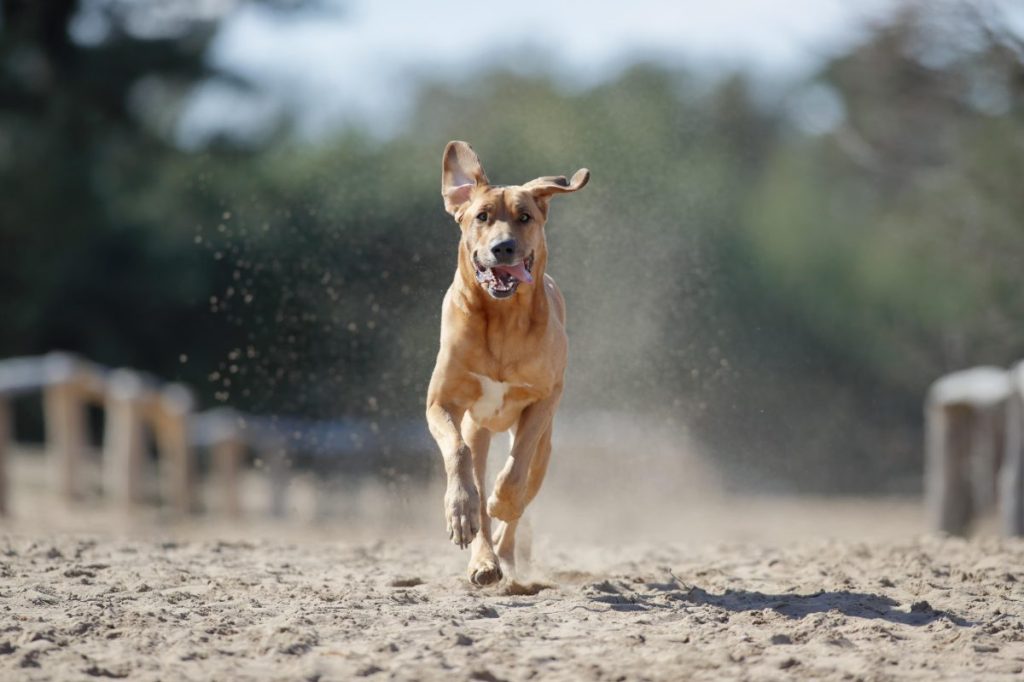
column 484, row 570
column 462, row 513
column 505, row 508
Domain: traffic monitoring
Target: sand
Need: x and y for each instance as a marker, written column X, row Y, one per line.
column 77, row 606
column 635, row 576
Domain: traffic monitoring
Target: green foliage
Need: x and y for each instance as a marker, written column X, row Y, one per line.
column 890, row 244
column 787, row 295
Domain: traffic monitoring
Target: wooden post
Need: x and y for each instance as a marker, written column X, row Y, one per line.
column 219, row 431
column 275, row 459
column 65, row 424
column 985, row 456
column 6, row 439
column 1011, row 476
column 947, row 488
column 961, row 445
column 227, row 450
column 227, row 457
column 176, row 462
column 124, row 438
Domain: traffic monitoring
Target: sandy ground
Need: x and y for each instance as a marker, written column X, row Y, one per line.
column 634, row 577
column 76, row 606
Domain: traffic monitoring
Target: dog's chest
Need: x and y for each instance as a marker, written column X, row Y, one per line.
column 492, row 398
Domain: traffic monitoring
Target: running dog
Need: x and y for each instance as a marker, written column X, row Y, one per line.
column 502, row 358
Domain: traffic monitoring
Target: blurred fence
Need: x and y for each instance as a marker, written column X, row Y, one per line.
column 138, row 408
column 974, row 449
column 974, row 445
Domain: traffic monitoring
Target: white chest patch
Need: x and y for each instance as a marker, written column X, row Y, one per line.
column 491, row 399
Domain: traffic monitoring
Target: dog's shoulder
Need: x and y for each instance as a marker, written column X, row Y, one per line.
column 555, row 297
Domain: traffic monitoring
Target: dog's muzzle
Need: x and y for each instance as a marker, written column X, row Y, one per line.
column 501, row 281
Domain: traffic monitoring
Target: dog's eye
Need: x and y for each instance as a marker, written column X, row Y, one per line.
column 482, row 216
column 524, row 217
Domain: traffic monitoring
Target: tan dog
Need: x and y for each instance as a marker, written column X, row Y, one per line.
column 503, row 354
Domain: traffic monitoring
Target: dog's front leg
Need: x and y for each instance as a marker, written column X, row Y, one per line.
column 509, row 497
column 484, row 568
column 462, row 498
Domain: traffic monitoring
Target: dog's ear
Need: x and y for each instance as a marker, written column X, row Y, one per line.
column 460, row 173
column 544, row 188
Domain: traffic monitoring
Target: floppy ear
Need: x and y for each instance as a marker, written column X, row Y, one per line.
column 460, row 173
column 543, row 188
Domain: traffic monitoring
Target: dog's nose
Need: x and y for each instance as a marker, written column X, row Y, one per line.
column 504, row 250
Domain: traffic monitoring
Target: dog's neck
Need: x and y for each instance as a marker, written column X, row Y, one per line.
column 528, row 305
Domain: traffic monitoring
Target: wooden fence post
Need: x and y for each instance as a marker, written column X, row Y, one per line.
column 963, row 434
column 228, row 455
column 65, row 424
column 947, row 489
column 1011, row 476
column 274, row 452
column 124, row 438
column 227, row 452
column 176, row 462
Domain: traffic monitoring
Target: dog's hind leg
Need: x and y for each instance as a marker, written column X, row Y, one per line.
column 538, row 466
column 508, row 499
column 484, row 568
column 512, row 542
column 505, row 545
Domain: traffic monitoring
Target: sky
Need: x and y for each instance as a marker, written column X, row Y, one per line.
column 359, row 60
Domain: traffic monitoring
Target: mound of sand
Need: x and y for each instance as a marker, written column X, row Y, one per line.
column 76, row 606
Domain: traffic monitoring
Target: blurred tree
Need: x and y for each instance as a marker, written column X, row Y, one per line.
column 786, row 280
column 90, row 93
column 883, row 253
column 336, row 258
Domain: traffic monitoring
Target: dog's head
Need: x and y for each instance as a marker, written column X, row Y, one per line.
column 502, row 225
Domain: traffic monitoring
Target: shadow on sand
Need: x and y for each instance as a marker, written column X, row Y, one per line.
column 621, row 596
column 854, row 604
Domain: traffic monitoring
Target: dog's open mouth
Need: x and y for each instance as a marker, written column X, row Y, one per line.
column 501, row 281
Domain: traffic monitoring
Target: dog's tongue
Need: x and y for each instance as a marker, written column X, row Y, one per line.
column 518, row 271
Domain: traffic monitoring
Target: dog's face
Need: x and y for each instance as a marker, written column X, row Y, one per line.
column 502, row 226
column 503, row 229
